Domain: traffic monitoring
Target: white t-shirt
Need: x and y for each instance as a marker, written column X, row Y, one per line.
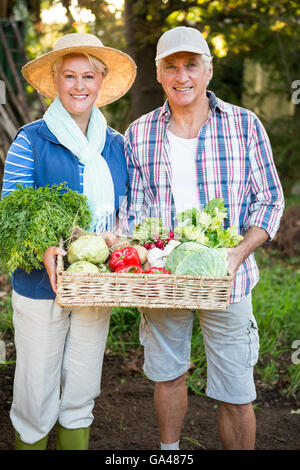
column 184, row 176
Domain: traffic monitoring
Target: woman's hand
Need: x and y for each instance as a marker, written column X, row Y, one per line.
column 49, row 259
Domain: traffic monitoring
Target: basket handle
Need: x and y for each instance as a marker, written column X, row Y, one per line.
column 59, row 263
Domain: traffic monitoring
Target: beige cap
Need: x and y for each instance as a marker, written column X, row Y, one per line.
column 181, row 39
column 121, row 67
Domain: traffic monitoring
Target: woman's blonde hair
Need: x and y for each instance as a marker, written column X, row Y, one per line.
column 97, row 63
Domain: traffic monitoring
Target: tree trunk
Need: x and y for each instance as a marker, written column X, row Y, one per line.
column 3, row 9
column 146, row 93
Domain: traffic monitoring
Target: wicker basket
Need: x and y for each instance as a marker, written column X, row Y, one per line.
column 141, row 290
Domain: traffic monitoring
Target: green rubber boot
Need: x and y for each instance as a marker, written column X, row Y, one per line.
column 39, row 445
column 72, row 439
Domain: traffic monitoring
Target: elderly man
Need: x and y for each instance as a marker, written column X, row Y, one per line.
column 194, row 148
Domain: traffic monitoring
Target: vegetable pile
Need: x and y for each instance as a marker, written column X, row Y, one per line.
column 197, row 247
column 151, row 233
column 32, row 219
column 87, row 254
column 204, row 242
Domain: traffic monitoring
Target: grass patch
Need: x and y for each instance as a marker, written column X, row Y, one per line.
column 6, row 330
column 124, row 329
column 6, row 326
column 276, row 303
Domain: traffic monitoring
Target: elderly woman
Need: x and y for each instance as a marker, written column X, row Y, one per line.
column 60, row 351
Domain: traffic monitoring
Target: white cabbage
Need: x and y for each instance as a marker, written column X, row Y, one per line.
column 90, row 248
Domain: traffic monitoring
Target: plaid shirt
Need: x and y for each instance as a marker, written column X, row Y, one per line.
column 233, row 161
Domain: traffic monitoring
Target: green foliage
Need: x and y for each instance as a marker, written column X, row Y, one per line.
column 276, row 303
column 124, row 329
column 32, row 219
column 206, row 226
column 6, row 325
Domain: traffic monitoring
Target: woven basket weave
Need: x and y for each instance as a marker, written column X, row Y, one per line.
column 141, row 290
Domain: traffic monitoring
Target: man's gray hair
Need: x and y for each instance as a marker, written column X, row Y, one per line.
column 206, row 60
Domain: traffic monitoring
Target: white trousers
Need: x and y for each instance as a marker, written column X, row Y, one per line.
column 59, row 365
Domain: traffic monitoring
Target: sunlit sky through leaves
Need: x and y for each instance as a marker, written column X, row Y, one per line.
column 57, row 13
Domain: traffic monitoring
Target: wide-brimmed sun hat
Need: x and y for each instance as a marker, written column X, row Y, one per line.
column 121, row 67
column 181, row 39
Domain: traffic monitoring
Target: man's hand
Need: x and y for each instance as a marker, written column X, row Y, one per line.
column 253, row 238
column 49, row 259
column 235, row 259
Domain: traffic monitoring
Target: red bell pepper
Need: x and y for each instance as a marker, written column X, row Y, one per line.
column 155, row 270
column 127, row 256
column 130, row 269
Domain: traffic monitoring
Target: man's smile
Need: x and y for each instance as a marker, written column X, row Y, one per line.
column 183, row 89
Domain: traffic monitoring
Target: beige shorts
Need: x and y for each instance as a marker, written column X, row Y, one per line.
column 231, row 345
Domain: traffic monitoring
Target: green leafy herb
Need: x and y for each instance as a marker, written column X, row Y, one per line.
column 32, row 219
column 151, row 229
column 206, row 226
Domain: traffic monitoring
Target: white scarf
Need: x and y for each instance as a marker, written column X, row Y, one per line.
column 97, row 181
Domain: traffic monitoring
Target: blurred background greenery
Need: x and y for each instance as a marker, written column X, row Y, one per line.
column 255, row 45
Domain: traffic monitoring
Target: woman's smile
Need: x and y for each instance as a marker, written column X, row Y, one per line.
column 78, row 84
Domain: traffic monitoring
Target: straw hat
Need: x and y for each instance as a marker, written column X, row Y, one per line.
column 121, row 67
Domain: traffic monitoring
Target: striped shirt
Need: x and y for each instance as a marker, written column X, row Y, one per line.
column 19, row 165
column 234, row 161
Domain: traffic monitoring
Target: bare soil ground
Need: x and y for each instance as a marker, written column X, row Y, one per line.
column 125, row 418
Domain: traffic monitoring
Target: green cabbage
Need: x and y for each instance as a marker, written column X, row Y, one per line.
column 180, row 252
column 83, row 267
column 90, row 248
column 196, row 260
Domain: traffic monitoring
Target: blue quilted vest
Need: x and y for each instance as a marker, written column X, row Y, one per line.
column 55, row 164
